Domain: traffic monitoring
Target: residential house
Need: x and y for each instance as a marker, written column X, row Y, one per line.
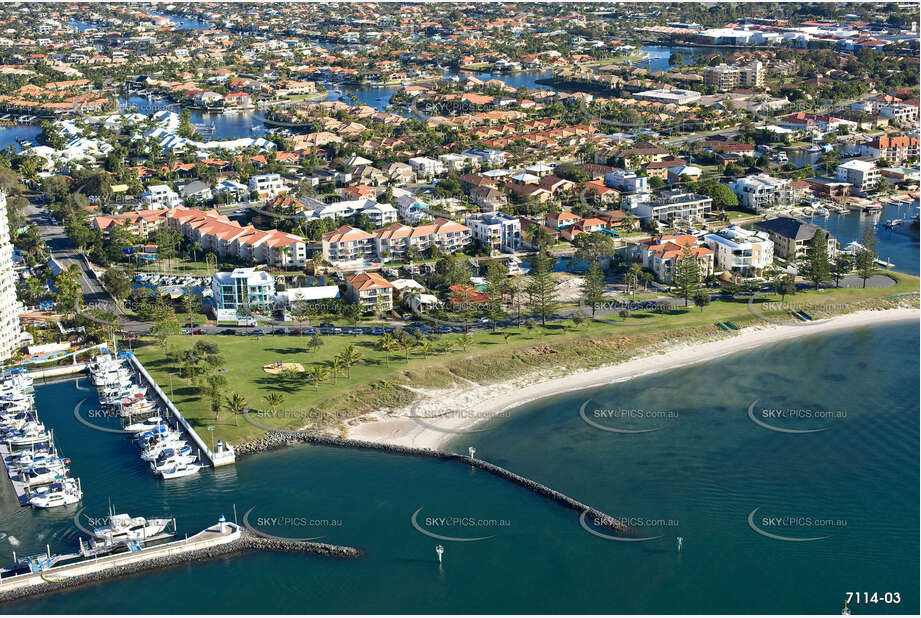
column 791, row 237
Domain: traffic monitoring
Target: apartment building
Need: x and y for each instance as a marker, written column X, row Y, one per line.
column 669, row 206
column 11, row 308
column 760, row 192
column 224, row 237
column 348, row 244
column 741, row 251
column 267, row 186
column 240, row 291
column 141, row 223
column 791, row 237
column 863, row 175
column 370, row 291
column 498, row 231
column 725, row 77
column 894, row 149
column 660, row 255
column 397, row 239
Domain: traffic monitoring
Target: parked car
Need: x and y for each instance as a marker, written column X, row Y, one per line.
column 377, row 331
column 227, row 331
column 257, row 331
column 327, row 325
column 445, row 329
column 309, row 331
column 198, row 331
column 335, row 330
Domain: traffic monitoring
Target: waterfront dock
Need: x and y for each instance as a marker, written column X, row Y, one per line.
column 221, row 539
column 221, row 457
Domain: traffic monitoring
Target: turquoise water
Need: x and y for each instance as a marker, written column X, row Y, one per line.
column 698, row 476
column 899, row 246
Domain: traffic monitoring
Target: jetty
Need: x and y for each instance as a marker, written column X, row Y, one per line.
column 221, row 539
column 282, row 438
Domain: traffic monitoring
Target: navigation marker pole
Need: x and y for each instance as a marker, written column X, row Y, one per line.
column 472, row 452
column 440, row 550
column 680, row 541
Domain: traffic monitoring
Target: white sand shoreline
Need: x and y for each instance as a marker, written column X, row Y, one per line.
column 453, row 412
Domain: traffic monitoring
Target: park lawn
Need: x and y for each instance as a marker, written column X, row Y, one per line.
column 559, row 347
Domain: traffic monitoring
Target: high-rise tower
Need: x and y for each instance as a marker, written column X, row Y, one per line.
column 9, row 304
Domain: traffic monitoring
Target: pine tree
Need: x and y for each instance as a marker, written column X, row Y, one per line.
column 866, row 257
column 687, row 275
column 541, row 288
column 815, row 265
column 593, row 287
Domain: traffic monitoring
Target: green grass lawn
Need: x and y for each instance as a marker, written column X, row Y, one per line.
column 376, row 384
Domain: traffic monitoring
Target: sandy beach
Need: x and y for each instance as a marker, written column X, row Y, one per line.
column 441, row 415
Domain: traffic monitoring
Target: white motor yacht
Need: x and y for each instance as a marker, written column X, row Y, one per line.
column 144, row 426
column 180, row 471
column 31, row 433
column 124, row 527
column 171, row 457
column 39, row 475
column 57, row 494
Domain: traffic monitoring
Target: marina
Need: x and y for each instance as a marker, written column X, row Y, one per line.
column 40, row 477
column 163, row 436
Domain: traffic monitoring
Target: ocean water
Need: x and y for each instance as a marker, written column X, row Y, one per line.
column 699, row 475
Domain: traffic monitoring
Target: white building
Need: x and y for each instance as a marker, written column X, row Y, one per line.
column 863, row 175
column 161, row 196
column 761, row 192
column 267, row 185
column 241, row 291
column 676, row 96
column 426, row 167
column 9, row 316
column 741, row 251
column 626, row 180
column 496, row 230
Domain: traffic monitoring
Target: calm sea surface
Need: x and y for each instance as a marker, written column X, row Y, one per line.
column 699, row 475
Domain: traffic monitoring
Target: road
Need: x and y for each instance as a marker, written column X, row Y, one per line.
column 65, row 253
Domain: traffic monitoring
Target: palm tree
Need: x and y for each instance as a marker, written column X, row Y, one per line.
column 425, row 346
column 335, row 367
column 274, row 400
column 506, row 336
column 236, row 403
column 406, row 345
column 317, row 374
column 388, row 344
column 465, row 341
column 350, row 356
